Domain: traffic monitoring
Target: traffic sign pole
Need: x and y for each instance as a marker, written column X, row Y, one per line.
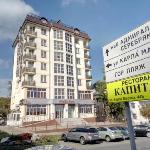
column 130, row 127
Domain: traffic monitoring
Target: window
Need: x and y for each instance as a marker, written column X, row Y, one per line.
column 32, row 29
column 59, row 93
column 78, row 60
column 84, row 94
column 59, row 80
column 43, row 31
column 30, row 64
column 58, row 34
column 58, row 56
column 70, row 81
column 58, row 68
column 43, row 42
column 69, row 70
column 36, row 93
column 68, row 37
column 79, row 82
column 36, row 109
column 43, row 54
column 43, row 66
column 85, row 109
column 70, row 93
column 133, row 105
column 79, row 71
column 43, row 78
column 69, row 48
column 77, row 41
column 58, row 45
column 134, row 116
column 69, row 58
column 77, row 50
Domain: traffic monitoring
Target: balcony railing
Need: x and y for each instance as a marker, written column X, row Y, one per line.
column 87, row 66
column 30, row 45
column 29, row 57
column 29, row 70
column 88, row 76
column 28, row 83
column 87, row 56
column 32, row 33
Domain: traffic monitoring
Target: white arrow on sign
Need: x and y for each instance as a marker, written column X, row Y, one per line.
column 129, row 70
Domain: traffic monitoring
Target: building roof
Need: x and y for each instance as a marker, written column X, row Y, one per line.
column 30, row 18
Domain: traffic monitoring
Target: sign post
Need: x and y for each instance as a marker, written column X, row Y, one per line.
column 130, row 127
column 127, row 70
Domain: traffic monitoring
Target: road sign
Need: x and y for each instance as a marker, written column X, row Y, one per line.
column 129, row 55
column 130, row 89
column 138, row 37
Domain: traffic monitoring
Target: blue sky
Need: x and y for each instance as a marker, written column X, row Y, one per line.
column 103, row 20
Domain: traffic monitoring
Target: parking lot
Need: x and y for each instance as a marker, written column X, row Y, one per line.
column 142, row 143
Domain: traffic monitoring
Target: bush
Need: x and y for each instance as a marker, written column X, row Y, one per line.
column 3, row 134
column 52, row 139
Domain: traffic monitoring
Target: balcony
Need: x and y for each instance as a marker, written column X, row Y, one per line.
column 31, row 33
column 28, row 84
column 30, row 45
column 88, row 66
column 28, row 70
column 29, row 57
column 88, row 77
column 86, row 47
column 87, row 56
column 89, row 87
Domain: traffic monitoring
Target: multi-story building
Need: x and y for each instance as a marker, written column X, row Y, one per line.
column 136, row 115
column 51, row 72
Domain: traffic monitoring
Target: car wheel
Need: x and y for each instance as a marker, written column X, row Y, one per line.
column 107, row 138
column 82, row 140
column 64, row 138
column 148, row 134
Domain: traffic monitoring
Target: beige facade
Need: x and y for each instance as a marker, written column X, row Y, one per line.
column 51, row 72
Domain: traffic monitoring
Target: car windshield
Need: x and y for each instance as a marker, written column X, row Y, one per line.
column 112, row 128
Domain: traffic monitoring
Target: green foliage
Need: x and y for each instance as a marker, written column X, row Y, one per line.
column 3, row 134
column 4, row 107
column 145, row 111
column 113, row 110
column 52, row 139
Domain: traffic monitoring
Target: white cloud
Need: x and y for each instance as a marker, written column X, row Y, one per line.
column 4, row 87
column 68, row 2
column 4, row 64
column 12, row 14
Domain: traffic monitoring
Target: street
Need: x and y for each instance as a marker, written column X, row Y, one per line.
column 142, row 143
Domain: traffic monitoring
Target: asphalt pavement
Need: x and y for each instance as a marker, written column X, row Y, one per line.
column 142, row 143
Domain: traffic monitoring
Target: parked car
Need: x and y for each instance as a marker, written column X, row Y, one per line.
column 142, row 130
column 124, row 131
column 109, row 133
column 81, row 134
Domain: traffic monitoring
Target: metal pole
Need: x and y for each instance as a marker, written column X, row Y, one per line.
column 130, row 127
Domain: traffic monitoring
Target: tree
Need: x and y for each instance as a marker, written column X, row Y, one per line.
column 112, row 110
column 145, row 111
column 4, row 107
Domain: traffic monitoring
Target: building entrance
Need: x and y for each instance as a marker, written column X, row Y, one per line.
column 59, row 111
column 71, row 109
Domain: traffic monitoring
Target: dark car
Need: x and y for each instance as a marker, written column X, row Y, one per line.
column 142, row 130
column 81, row 134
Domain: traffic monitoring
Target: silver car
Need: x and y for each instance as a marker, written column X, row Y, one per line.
column 109, row 133
column 81, row 134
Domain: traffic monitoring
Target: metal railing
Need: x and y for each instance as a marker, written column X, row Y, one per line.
column 30, row 44
column 29, row 32
column 29, row 70
column 29, row 56
column 28, row 83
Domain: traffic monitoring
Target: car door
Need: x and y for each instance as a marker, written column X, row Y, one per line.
column 72, row 134
column 102, row 132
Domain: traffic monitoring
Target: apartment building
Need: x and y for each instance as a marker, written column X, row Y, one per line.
column 136, row 116
column 51, row 72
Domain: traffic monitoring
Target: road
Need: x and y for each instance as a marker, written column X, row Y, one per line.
column 142, row 143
